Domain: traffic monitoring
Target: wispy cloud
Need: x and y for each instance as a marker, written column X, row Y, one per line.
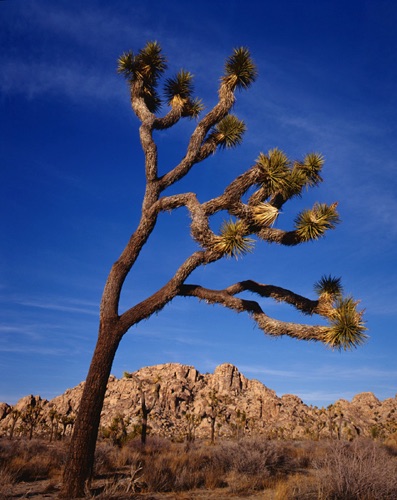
column 89, row 26
column 77, row 82
column 259, row 370
column 323, row 373
column 59, row 307
column 34, row 349
column 323, row 397
column 82, row 307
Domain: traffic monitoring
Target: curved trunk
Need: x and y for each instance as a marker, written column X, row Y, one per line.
column 80, row 460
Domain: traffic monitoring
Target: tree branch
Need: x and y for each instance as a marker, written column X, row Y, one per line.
column 219, row 111
column 268, row 325
column 165, row 294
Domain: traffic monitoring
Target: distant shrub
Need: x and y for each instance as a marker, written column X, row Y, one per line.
column 360, row 470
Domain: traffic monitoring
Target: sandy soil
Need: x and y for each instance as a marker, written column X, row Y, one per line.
column 49, row 489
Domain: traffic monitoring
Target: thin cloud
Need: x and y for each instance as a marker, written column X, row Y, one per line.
column 323, row 397
column 76, row 82
column 87, row 26
column 55, row 306
column 34, row 349
column 324, row 373
column 258, row 370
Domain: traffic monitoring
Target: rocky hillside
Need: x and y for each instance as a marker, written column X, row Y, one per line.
column 182, row 403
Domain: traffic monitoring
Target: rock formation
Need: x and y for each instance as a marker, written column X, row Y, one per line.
column 185, row 404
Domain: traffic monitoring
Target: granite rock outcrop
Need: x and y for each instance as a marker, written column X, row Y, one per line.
column 185, row 404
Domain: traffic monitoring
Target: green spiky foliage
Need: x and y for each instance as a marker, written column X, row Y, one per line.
column 178, row 92
column 275, row 171
column 229, row 132
column 146, row 66
column 329, row 286
column 306, row 173
column 311, row 168
column 311, row 224
column 265, row 214
column 347, row 327
column 240, row 69
column 179, row 89
column 192, row 108
column 126, row 64
column 232, row 240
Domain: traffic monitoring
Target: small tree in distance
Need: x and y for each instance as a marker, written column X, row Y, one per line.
column 251, row 204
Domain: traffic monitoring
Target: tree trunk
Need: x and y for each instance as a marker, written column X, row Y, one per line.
column 213, row 430
column 144, row 425
column 80, row 461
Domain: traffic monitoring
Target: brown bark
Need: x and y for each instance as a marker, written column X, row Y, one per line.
column 80, row 460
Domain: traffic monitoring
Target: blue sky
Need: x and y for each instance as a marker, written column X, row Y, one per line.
column 72, row 184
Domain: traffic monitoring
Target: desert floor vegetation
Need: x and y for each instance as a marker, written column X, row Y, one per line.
column 253, row 468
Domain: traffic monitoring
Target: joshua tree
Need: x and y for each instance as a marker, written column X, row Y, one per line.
column 146, row 407
column 31, row 416
column 15, row 416
column 215, row 408
column 251, row 204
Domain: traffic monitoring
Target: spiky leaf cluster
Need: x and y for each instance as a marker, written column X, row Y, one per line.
column 306, row 173
column 347, row 327
column 232, row 240
column 179, row 88
column 240, row 69
column 275, row 171
column 311, row 224
column 146, row 66
column 265, row 214
column 228, row 132
column 178, row 92
column 311, row 168
column 192, row 108
column 329, row 286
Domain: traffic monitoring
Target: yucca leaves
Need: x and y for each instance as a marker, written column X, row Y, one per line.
column 178, row 92
column 232, row 240
column 329, row 286
column 347, row 327
column 306, row 173
column 192, row 108
column 265, row 214
column 275, row 171
column 126, row 64
column 146, row 66
column 240, row 70
column 311, row 168
column 311, row 224
column 178, row 89
column 228, row 132
column 346, row 330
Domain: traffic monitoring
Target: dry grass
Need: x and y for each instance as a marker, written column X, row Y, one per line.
column 362, row 469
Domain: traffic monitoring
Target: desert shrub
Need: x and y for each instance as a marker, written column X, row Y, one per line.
column 104, row 462
column 254, row 462
column 32, row 460
column 7, row 480
column 297, row 487
column 360, row 470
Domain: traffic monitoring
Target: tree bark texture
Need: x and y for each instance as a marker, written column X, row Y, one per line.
column 80, row 460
